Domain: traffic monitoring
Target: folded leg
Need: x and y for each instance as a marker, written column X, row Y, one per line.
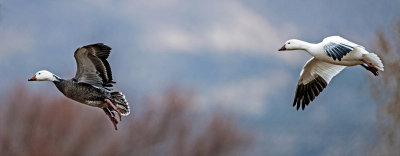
column 115, row 108
column 370, row 67
column 111, row 116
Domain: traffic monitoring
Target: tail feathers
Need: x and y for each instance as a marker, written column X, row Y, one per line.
column 120, row 102
column 374, row 59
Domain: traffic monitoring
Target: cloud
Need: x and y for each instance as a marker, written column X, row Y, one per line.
column 227, row 26
column 249, row 95
column 170, row 39
column 203, row 26
column 238, row 28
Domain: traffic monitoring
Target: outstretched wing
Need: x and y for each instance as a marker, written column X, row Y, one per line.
column 314, row 77
column 92, row 65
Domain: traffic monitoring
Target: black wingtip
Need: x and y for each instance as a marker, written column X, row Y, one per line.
column 305, row 94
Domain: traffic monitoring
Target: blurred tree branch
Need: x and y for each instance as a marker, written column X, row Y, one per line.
column 31, row 124
column 387, row 93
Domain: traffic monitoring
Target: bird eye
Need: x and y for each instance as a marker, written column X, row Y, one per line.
column 38, row 73
column 288, row 43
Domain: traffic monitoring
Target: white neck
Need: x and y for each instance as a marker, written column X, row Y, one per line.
column 52, row 79
column 306, row 46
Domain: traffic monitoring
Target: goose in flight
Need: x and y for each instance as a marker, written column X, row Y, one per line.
column 92, row 82
column 330, row 57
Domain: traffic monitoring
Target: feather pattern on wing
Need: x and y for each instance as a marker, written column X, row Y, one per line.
column 337, row 51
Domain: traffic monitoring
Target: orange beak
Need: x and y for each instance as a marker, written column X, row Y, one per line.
column 33, row 78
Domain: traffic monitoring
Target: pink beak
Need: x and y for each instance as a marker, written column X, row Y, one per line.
column 283, row 48
column 33, row 78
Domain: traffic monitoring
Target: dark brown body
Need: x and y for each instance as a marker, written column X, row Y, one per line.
column 83, row 92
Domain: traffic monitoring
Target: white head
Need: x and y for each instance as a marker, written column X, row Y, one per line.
column 293, row 44
column 43, row 75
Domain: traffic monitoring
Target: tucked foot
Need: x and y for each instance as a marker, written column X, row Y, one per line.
column 371, row 68
column 112, row 118
column 115, row 108
column 114, row 121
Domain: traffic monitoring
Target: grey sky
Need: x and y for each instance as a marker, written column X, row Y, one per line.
column 225, row 50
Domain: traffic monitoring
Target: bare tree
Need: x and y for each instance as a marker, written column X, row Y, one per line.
column 386, row 91
column 31, row 124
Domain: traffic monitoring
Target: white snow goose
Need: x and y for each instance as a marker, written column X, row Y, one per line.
column 92, row 82
column 330, row 57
